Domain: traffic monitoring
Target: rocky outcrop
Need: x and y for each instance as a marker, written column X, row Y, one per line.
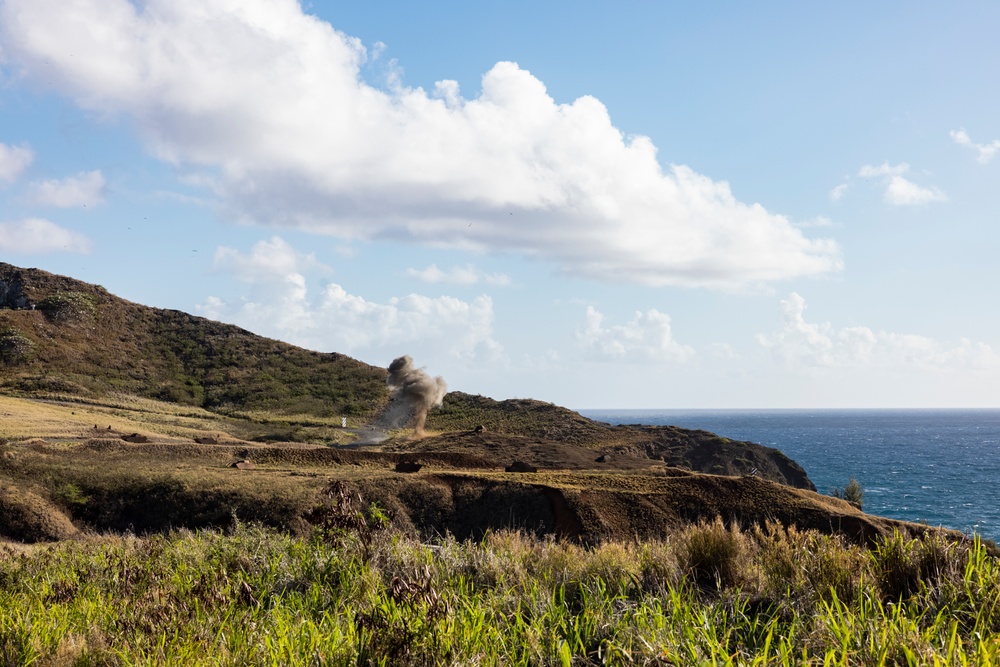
column 12, row 290
column 706, row 452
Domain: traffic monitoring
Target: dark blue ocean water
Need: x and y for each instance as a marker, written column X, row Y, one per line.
column 941, row 467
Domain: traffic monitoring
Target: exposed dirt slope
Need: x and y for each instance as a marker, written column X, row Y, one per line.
column 51, row 489
column 634, row 506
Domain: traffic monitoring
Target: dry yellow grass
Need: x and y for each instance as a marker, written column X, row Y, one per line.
column 23, row 418
column 72, row 418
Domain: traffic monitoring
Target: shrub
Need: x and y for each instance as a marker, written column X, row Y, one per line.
column 15, row 347
column 64, row 307
column 905, row 567
column 714, row 555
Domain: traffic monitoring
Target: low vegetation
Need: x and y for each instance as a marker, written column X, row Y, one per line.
column 852, row 493
column 353, row 592
column 15, row 347
column 72, row 337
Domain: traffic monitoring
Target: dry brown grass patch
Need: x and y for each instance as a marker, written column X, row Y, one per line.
column 28, row 517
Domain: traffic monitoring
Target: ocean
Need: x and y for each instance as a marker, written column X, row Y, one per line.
column 941, row 467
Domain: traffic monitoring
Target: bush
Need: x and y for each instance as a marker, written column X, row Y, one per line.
column 15, row 347
column 714, row 555
column 64, row 307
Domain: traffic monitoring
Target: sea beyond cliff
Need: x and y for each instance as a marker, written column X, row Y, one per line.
column 933, row 466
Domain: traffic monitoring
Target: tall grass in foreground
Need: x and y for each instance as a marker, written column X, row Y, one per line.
column 358, row 594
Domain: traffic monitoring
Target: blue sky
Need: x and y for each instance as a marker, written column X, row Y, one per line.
column 651, row 205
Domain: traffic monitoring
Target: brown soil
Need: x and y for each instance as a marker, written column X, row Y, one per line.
column 626, row 506
column 462, row 491
column 27, row 517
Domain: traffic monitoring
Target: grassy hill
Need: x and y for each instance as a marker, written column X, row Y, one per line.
column 60, row 335
column 83, row 369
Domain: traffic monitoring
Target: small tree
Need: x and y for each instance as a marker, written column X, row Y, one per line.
column 852, row 493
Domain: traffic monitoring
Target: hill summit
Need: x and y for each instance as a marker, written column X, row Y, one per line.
column 64, row 335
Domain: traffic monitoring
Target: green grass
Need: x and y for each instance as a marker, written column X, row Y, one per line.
column 354, row 593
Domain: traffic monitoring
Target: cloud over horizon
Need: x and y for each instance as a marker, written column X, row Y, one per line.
column 280, row 305
column 647, row 337
column 269, row 102
column 803, row 345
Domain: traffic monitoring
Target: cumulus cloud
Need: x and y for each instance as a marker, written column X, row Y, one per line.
column 802, row 345
column 266, row 261
column 986, row 151
column 272, row 100
column 900, row 191
column 280, row 305
column 458, row 275
column 13, row 161
column 37, row 236
column 86, row 188
column 647, row 337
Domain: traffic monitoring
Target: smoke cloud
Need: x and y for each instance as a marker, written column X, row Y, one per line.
column 412, row 393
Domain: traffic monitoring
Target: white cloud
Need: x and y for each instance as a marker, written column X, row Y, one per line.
column 647, row 337
column 273, row 100
column 803, row 345
column 86, row 188
column 36, row 235
column 458, row 275
column 818, row 221
column 280, row 305
column 13, row 161
column 838, row 192
column 986, row 151
column 267, row 260
column 900, row 191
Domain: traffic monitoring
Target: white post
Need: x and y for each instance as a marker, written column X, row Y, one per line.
column 343, row 422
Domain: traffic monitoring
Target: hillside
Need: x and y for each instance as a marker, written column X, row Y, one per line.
column 119, row 417
column 60, row 475
column 60, row 335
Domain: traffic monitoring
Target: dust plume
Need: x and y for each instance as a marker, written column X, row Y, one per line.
column 412, row 393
